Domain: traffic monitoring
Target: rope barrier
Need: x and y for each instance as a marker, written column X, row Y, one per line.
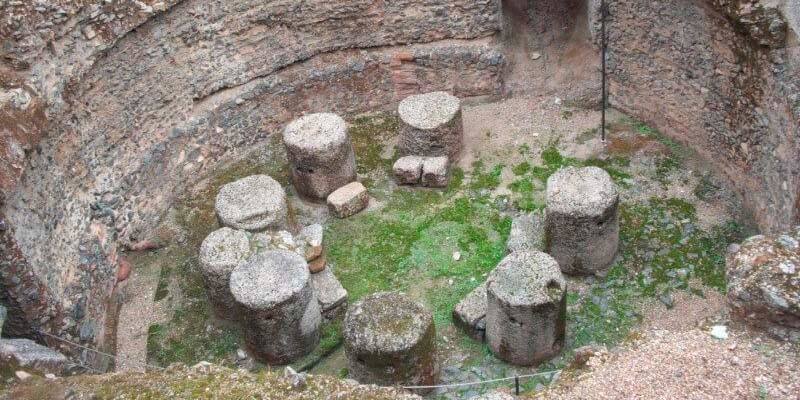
column 116, row 358
column 453, row 385
column 449, row 385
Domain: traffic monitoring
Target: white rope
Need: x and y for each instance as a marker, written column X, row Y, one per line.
column 452, row 385
column 449, row 385
column 122, row 362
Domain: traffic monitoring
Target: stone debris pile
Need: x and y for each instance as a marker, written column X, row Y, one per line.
column 320, row 154
column 764, row 284
column 582, row 220
column 526, row 308
column 283, row 316
column 390, row 340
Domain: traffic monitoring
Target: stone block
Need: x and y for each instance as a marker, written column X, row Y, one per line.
column 435, row 172
column 30, row 356
column 348, row 200
column 408, row 170
column 470, row 313
column 330, row 293
column 527, row 233
column 253, row 203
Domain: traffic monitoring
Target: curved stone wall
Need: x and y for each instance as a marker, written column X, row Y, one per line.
column 162, row 103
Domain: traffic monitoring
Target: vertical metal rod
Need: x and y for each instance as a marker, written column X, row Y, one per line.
column 516, row 385
column 603, row 47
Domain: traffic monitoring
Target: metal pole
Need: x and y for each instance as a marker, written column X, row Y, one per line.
column 603, row 46
column 516, row 385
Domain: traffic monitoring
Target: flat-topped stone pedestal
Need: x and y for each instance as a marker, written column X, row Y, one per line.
column 582, row 220
column 390, row 340
column 220, row 253
column 282, row 317
column 526, row 308
column 320, row 154
column 254, row 203
column 430, row 125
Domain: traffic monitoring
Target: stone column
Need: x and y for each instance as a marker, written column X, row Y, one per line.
column 320, row 154
column 390, row 340
column 254, row 203
column 582, row 221
column 281, row 315
column 526, row 308
column 220, row 253
column 431, row 125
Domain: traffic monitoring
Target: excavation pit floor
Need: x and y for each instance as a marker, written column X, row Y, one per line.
column 665, row 288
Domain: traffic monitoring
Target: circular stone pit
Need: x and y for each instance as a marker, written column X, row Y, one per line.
column 320, row 153
column 390, row 340
column 526, row 308
column 220, row 253
column 282, row 317
column 254, row 203
column 431, row 125
column 582, row 220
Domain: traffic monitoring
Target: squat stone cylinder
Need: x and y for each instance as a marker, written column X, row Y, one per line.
column 320, row 154
column 390, row 339
column 254, row 203
column 582, row 221
column 220, row 253
column 431, row 125
column 526, row 308
column 282, row 315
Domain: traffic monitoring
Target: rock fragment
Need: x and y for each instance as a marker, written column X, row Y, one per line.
column 470, row 313
column 331, row 295
column 348, row 200
column 764, row 284
column 408, row 170
column 27, row 355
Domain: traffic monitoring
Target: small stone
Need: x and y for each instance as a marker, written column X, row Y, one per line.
column 297, row 380
column 318, row 264
column 408, row 170
column 348, row 200
column 456, row 256
column 329, row 291
column 50, row 376
column 22, row 375
column 719, row 332
column 788, row 242
column 536, row 55
column 312, row 236
column 435, row 172
column 471, row 311
column 241, row 354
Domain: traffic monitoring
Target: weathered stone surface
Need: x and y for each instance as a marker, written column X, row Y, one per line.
column 348, row 200
column 220, row 253
column 389, row 340
column 282, row 315
column 253, row 203
column 408, row 170
column 320, row 154
column 470, row 313
column 431, row 125
column 312, row 236
column 526, row 308
column 32, row 357
column 527, row 233
column 582, row 220
column 329, row 291
column 3, row 313
column 435, row 172
column 764, row 284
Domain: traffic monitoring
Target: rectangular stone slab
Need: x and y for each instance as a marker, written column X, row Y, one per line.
column 469, row 314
